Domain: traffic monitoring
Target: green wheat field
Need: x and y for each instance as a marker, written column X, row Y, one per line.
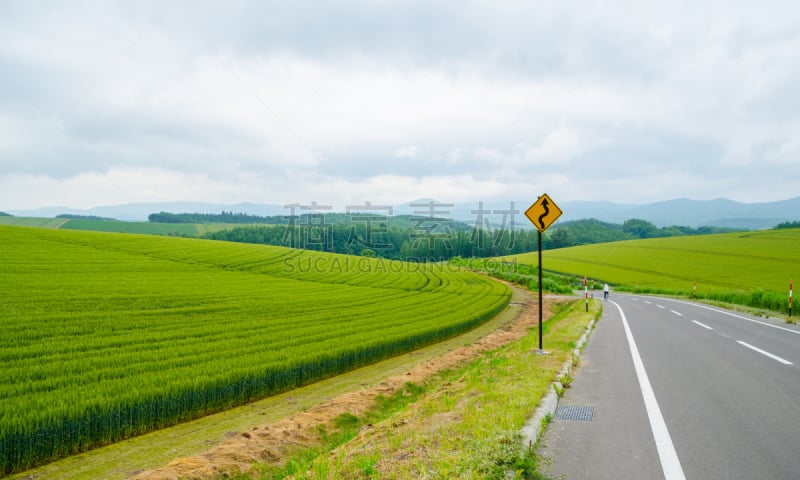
column 107, row 335
column 750, row 268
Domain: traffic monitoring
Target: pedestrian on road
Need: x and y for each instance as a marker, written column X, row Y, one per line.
column 605, row 292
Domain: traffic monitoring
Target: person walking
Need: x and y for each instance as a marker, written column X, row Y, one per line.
column 605, row 292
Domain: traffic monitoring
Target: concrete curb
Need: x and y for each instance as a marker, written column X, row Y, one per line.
column 535, row 426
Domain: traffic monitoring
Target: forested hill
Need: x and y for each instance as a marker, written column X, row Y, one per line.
column 411, row 237
column 589, row 231
column 403, row 237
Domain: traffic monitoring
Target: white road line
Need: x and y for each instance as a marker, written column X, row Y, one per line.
column 702, row 325
column 648, row 302
column 763, row 352
column 666, row 450
column 660, row 306
column 738, row 316
column 677, row 313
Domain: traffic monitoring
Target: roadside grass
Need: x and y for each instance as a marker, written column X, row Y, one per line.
column 463, row 423
column 345, row 428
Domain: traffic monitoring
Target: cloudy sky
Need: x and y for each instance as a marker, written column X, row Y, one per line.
column 106, row 102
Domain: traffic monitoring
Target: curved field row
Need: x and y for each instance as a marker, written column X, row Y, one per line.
column 108, row 336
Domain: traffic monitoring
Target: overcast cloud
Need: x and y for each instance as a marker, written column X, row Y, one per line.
column 106, row 103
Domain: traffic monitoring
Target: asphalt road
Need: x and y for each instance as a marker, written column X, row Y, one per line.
column 716, row 396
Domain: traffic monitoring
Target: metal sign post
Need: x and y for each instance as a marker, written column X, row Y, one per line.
column 541, row 320
column 542, row 214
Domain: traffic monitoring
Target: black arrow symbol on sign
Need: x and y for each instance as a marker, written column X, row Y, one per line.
column 546, row 206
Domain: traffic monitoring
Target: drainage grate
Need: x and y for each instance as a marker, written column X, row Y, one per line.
column 574, row 412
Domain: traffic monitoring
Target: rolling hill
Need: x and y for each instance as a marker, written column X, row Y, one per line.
column 107, row 336
column 752, row 268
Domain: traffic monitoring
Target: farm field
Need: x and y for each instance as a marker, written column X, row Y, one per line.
column 117, row 226
column 33, row 222
column 734, row 266
column 108, row 336
column 146, row 228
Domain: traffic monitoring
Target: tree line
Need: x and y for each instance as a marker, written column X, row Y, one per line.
column 427, row 239
column 589, row 231
column 784, row 225
column 224, row 217
column 72, row 216
column 415, row 243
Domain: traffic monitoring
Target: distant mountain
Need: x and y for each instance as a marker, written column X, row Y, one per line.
column 138, row 212
column 715, row 213
column 682, row 211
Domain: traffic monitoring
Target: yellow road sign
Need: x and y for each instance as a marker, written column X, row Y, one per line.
column 543, row 213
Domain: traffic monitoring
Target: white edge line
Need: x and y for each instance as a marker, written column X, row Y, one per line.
column 765, row 353
column 702, row 325
column 670, row 463
column 738, row 316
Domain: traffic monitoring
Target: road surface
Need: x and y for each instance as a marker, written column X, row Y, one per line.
column 704, row 393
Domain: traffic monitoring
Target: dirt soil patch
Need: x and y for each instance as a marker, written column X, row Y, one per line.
column 275, row 442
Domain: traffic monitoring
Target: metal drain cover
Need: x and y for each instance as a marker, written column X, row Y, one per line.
column 574, row 412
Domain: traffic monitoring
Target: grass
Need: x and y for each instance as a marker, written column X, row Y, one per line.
column 466, row 423
column 751, row 268
column 345, row 428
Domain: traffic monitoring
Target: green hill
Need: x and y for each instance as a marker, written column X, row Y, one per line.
column 32, row 221
column 118, row 226
column 751, row 268
column 106, row 336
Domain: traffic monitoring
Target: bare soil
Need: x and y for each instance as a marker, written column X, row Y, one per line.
column 275, row 442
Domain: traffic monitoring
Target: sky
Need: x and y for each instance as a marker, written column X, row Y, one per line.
column 114, row 102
